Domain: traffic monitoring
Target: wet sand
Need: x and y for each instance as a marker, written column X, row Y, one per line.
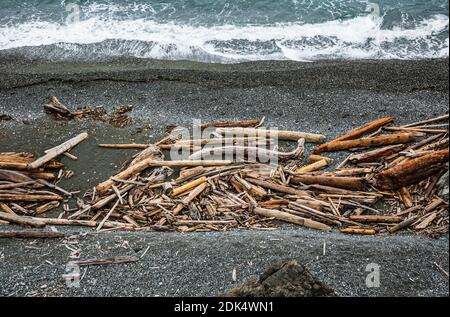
column 327, row 97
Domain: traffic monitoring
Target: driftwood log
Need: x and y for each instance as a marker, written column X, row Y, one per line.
column 276, row 134
column 287, row 217
column 376, row 141
column 58, row 150
column 412, row 171
column 31, row 234
column 350, row 183
column 24, row 221
column 358, row 132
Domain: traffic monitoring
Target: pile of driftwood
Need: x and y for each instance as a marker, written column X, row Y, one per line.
column 117, row 118
column 386, row 184
column 29, row 186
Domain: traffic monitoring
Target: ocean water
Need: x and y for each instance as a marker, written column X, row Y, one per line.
column 226, row 31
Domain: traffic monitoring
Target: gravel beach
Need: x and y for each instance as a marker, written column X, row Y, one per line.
column 329, row 97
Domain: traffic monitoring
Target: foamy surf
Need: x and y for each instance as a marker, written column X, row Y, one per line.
column 103, row 36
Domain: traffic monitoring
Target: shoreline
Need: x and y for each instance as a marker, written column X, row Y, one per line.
column 329, row 97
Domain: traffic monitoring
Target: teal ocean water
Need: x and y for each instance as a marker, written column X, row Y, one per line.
column 226, row 31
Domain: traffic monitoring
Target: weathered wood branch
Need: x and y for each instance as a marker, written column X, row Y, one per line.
column 58, row 150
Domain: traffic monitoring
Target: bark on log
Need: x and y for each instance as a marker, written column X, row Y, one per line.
column 398, row 138
column 284, row 216
column 278, row 134
column 412, row 171
column 376, row 155
column 350, row 183
column 58, row 150
column 367, row 128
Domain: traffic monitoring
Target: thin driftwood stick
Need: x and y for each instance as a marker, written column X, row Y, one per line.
column 350, row 183
column 231, row 124
column 83, row 223
column 361, row 231
column 412, row 171
column 376, row 219
column 284, row 216
column 440, row 118
column 358, row 132
column 58, row 150
column 398, row 138
column 114, row 260
column 31, row 234
column 434, row 131
column 108, row 215
column 133, row 146
column 143, row 165
column 24, row 221
column 278, row 134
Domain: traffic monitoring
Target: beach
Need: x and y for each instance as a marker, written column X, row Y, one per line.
column 328, row 97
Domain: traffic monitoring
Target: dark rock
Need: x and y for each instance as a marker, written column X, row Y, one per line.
column 283, row 279
column 443, row 187
column 4, row 117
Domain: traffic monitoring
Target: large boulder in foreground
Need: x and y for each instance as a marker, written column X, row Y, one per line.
column 284, row 279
